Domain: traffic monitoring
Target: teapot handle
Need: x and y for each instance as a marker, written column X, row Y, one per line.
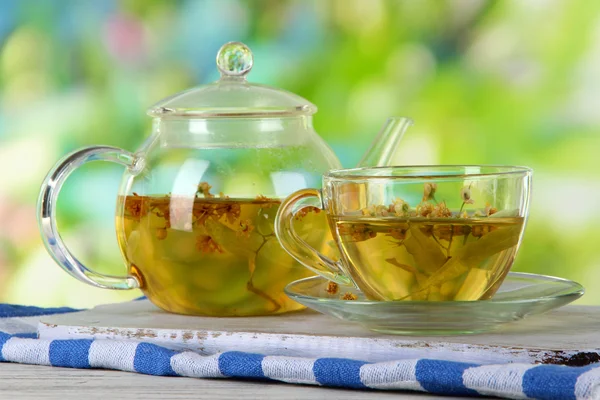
column 46, row 212
column 298, row 248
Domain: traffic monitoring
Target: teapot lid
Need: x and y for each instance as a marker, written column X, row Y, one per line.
column 232, row 95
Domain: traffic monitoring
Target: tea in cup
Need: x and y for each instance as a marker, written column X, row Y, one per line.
column 426, row 233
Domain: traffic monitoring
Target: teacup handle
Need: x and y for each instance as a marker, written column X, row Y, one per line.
column 46, row 211
column 296, row 246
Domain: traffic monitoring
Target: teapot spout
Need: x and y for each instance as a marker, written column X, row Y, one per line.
column 384, row 146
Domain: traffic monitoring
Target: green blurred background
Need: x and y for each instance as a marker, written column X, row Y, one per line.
column 494, row 82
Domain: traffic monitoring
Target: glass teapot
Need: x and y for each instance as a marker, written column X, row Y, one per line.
column 198, row 199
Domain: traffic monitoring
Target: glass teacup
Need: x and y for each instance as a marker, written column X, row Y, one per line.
column 424, row 233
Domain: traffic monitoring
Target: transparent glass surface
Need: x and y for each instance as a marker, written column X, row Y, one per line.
column 521, row 295
column 197, row 203
column 195, row 227
column 430, row 233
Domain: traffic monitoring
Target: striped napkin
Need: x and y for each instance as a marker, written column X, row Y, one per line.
column 19, row 343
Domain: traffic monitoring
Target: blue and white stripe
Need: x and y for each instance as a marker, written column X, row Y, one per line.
column 515, row 381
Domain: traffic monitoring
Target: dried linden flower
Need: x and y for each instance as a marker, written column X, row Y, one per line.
column 246, row 228
column 370, row 211
column 465, row 194
column 163, row 211
column 399, row 208
column 358, row 232
column 204, row 188
column 443, row 232
column 269, row 202
column 230, row 210
column 349, row 296
column 489, row 210
column 424, row 209
column 377, row 211
column 332, row 288
column 304, row 212
column 479, row 230
column 381, row 211
column 441, row 211
column 161, row 233
column 135, row 206
column 429, row 191
column 207, row 244
column 398, row 234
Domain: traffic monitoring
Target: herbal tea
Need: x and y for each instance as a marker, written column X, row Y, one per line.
column 451, row 244
column 213, row 255
column 435, row 259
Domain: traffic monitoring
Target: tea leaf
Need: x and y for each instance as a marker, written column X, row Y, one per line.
column 476, row 252
column 427, row 253
column 490, row 244
column 400, row 283
column 435, row 297
column 420, row 295
column 453, row 268
column 252, row 266
column 474, row 286
column 231, row 241
column 421, row 278
column 405, row 267
column 435, row 294
column 505, row 214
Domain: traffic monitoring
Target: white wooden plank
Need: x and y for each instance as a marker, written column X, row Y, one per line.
column 567, row 335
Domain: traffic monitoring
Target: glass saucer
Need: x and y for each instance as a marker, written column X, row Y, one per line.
column 521, row 295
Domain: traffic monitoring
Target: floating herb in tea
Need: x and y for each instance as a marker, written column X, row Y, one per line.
column 349, row 296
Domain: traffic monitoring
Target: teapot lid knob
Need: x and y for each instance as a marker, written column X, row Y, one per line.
column 234, row 59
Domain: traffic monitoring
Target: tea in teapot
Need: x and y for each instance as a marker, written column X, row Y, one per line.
column 228, row 260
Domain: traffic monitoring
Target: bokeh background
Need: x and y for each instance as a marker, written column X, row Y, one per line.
column 494, row 82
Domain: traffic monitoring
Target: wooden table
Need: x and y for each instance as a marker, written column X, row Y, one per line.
column 19, row 381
